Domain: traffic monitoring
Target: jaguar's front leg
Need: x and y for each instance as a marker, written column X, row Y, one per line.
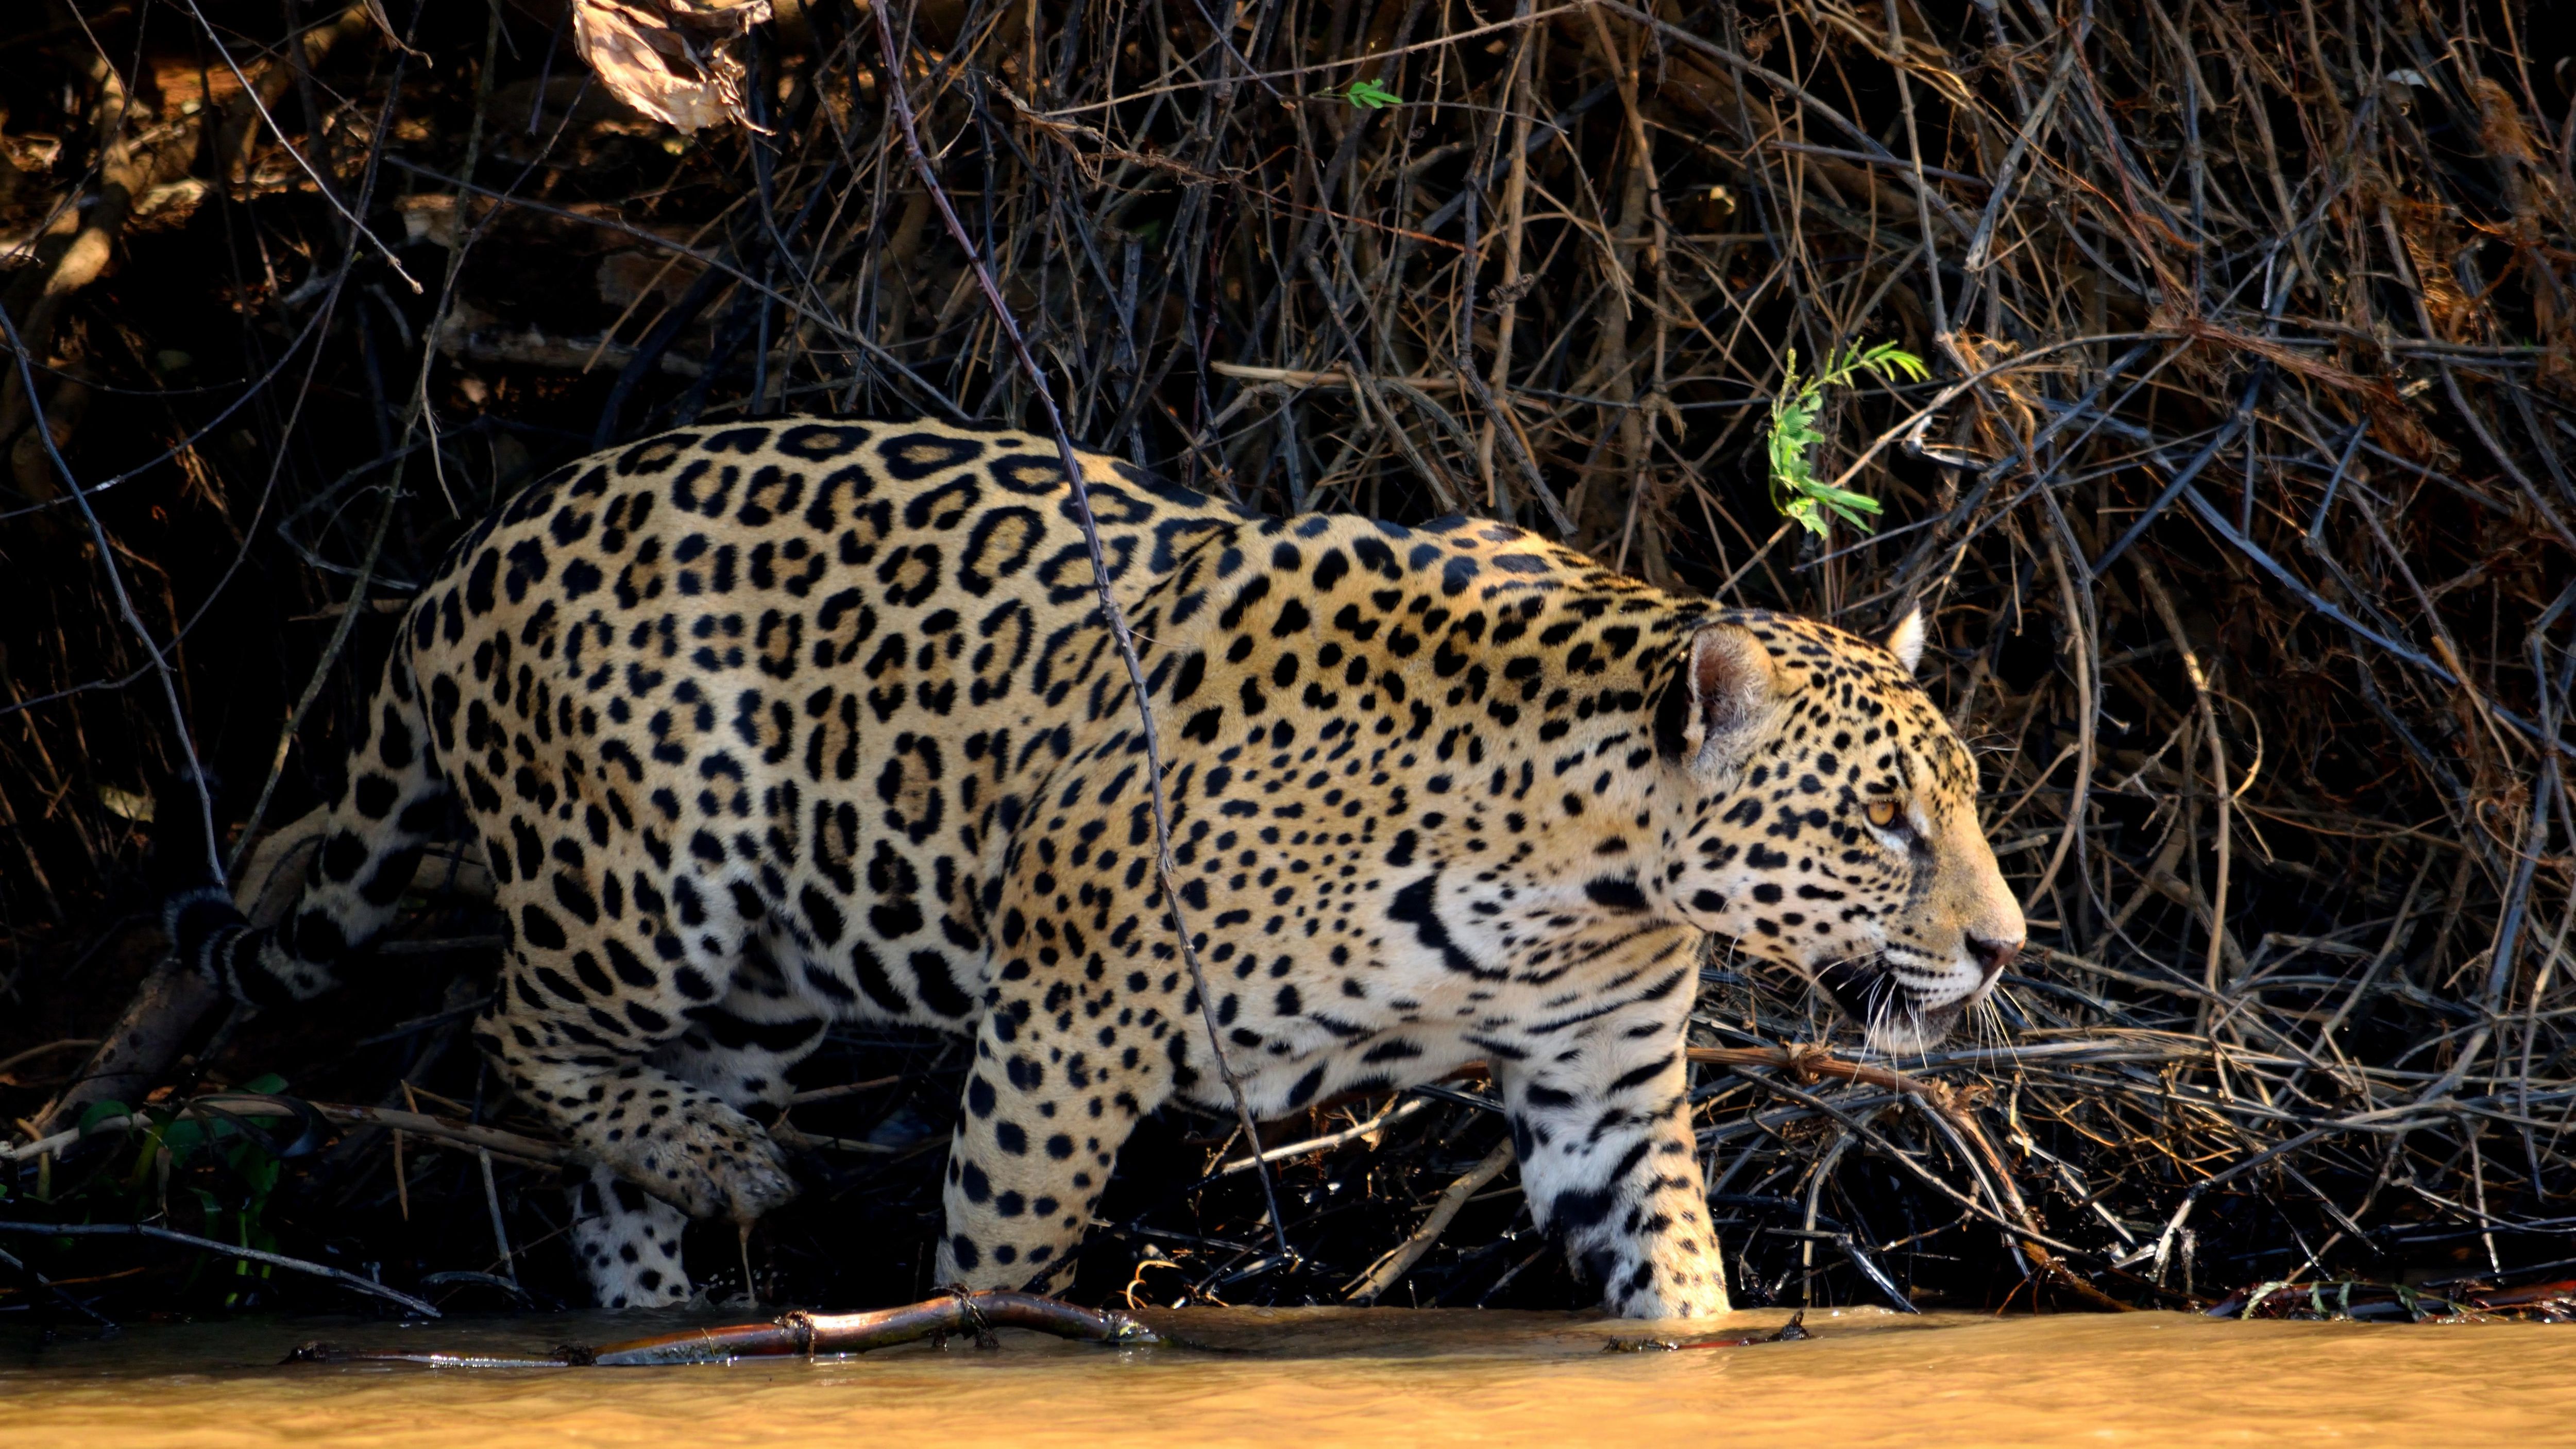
column 1601, row 1121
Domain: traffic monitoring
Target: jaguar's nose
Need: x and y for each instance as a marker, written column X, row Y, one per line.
column 1994, row 956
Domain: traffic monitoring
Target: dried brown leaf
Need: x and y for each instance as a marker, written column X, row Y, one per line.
column 670, row 59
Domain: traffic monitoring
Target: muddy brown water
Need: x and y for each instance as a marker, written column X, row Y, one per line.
column 1324, row 1376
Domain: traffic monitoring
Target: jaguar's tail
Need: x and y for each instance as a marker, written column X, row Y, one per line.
column 391, row 801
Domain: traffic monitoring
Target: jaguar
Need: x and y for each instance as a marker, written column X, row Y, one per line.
column 767, row 725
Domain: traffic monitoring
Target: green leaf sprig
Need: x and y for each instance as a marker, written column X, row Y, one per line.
column 1801, row 496
column 1367, row 94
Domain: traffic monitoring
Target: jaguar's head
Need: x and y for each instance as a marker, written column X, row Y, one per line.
column 1831, row 821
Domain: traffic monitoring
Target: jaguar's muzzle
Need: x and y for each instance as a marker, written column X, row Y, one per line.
column 1894, row 1014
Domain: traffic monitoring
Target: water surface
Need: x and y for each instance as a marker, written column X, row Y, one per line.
column 1272, row 1377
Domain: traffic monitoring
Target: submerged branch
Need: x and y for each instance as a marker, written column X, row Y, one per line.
column 797, row 1335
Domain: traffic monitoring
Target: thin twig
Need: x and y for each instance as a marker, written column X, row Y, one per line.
column 210, row 1245
column 1167, row 871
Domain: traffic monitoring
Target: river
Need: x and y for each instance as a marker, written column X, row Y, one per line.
column 1277, row 1377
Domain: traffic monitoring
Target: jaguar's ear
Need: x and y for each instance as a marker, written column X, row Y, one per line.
column 1729, row 691
column 1905, row 640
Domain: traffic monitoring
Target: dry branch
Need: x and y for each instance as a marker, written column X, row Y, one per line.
column 795, row 1335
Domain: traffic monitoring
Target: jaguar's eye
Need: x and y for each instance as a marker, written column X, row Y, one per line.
column 1882, row 813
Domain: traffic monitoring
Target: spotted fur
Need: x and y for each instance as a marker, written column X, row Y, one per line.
column 773, row 724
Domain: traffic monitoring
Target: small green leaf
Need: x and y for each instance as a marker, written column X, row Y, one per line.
column 1368, row 95
column 101, row 1111
column 1802, row 497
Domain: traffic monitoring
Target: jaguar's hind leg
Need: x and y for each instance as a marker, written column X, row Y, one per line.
column 740, row 1050
column 742, row 1047
column 1046, row 1111
column 628, row 1242
column 668, row 1092
column 554, row 1034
